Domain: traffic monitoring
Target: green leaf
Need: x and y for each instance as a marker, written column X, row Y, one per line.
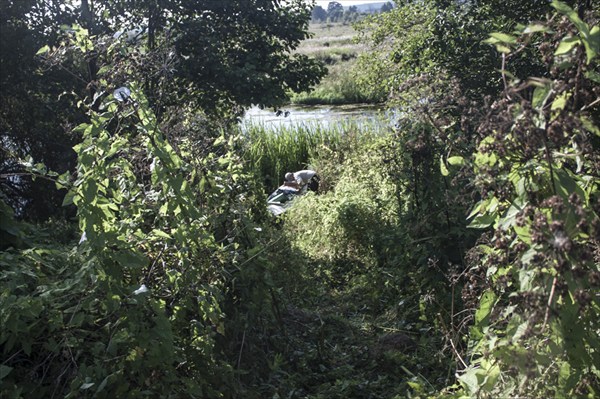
column 566, row 184
column 103, row 70
column 130, row 259
column 470, row 381
column 499, row 44
column 482, row 222
column 564, row 9
column 443, row 168
column 503, row 49
column 503, row 37
column 524, row 235
column 4, row 371
column 536, row 28
column 567, row 377
column 86, row 385
column 589, row 126
column 540, row 96
column 566, row 45
column 486, row 304
column 528, row 256
column 560, row 102
column 491, row 40
column 520, row 331
column 483, row 160
column 160, row 233
column 592, row 44
column 491, row 373
column 526, row 279
column 68, row 200
column 456, row 161
column 593, row 76
column 478, row 207
column 43, row 50
column 102, row 385
column 89, row 191
column 219, row 140
column 509, row 217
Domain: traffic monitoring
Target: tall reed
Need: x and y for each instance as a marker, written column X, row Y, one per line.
column 273, row 151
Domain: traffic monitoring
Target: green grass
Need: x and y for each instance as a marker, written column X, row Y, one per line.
column 331, row 55
column 334, row 45
column 338, row 87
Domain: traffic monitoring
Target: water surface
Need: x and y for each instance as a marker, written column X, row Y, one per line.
column 362, row 114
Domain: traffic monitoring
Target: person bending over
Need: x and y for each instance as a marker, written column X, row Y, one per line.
column 299, row 179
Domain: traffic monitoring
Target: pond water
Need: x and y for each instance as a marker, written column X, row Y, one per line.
column 325, row 115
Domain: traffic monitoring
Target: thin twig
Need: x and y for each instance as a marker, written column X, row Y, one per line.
column 239, row 362
column 504, row 75
column 10, row 358
column 550, row 299
column 452, row 343
column 590, row 104
column 154, row 263
column 458, row 354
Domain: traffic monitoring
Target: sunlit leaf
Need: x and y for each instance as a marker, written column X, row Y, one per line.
column 456, row 161
column 536, row 28
column 486, row 304
column 443, row 168
column 43, row 50
column 566, row 45
column 503, row 37
column 86, row 385
column 560, row 101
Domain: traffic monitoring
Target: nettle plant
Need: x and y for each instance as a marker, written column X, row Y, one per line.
column 536, row 331
column 135, row 308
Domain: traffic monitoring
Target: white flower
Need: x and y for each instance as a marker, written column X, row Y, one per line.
column 83, row 238
column 141, row 290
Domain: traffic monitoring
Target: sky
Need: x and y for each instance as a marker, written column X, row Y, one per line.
column 346, row 3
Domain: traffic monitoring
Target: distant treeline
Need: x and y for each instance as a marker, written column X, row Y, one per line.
column 337, row 13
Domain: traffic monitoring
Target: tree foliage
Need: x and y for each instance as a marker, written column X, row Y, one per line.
column 318, row 13
column 217, row 57
column 334, row 10
column 444, row 37
column 134, row 309
column 34, row 115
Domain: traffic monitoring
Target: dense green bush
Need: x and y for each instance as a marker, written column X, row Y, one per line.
column 535, row 332
column 347, row 221
column 135, row 308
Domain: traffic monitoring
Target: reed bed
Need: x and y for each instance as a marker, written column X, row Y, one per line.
column 273, row 151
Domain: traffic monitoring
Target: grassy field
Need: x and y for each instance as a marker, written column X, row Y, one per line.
column 331, row 43
column 334, row 44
